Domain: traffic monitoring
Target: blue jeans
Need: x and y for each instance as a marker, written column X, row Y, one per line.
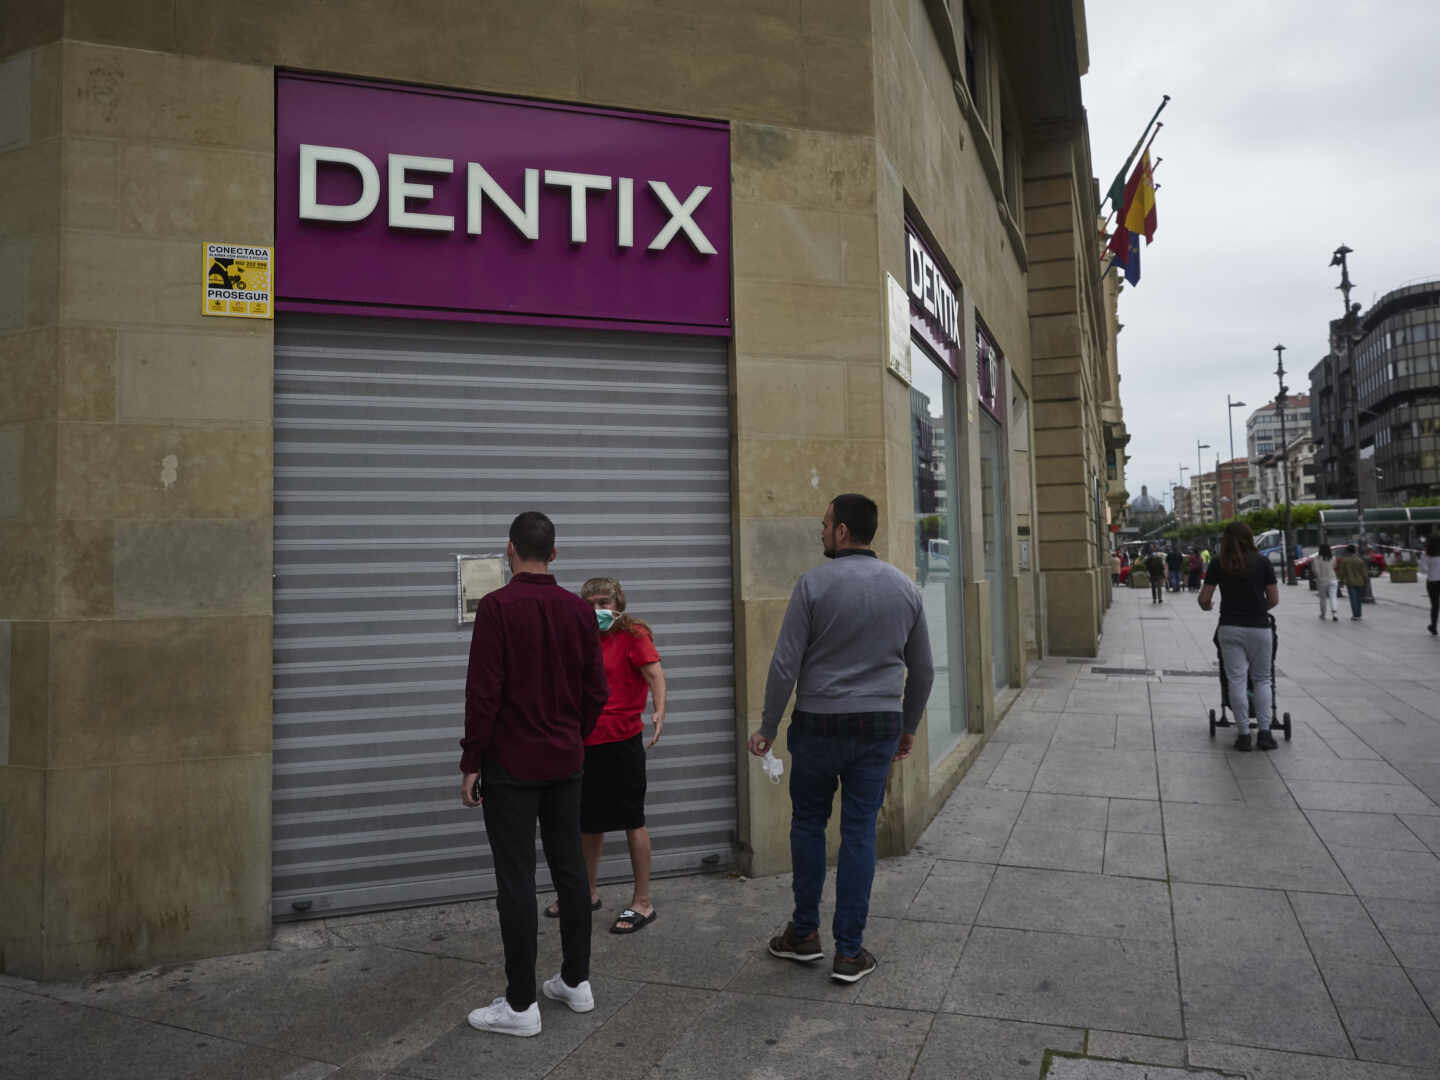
column 1357, row 599
column 859, row 766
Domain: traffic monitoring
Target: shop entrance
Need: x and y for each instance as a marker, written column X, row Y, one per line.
column 400, row 445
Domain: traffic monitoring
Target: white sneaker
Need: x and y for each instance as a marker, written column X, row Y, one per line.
column 498, row 1016
column 579, row 998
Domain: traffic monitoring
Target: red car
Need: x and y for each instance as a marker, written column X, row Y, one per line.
column 1376, row 560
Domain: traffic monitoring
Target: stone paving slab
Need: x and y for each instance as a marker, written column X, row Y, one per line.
column 756, row 1036
column 1137, row 855
column 1068, row 980
column 1399, row 875
column 993, row 1049
column 1258, row 1064
column 952, row 892
column 1065, row 1068
column 1055, row 848
column 1071, row 903
column 1144, row 1049
column 1248, row 972
column 1338, row 929
column 1230, row 845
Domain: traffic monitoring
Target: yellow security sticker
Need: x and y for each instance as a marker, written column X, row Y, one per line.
column 239, row 281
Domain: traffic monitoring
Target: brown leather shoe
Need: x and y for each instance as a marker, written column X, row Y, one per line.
column 852, row 968
column 788, row 946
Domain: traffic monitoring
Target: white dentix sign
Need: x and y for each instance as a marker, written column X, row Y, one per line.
column 411, row 180
column 930, row 290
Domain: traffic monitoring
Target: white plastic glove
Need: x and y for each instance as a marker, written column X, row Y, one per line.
column 773, row 766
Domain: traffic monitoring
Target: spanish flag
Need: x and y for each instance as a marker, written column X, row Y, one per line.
column 1139, row 214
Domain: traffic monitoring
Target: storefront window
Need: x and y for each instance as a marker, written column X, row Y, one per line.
column 937, row 547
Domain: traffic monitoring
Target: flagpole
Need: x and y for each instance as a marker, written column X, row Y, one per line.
column 1119, row 183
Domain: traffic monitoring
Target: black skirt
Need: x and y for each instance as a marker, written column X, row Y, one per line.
column 612, row 793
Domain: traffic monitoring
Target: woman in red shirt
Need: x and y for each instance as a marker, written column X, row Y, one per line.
column 612, row 793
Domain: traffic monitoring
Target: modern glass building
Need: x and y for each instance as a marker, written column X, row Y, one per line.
column 1392, row 399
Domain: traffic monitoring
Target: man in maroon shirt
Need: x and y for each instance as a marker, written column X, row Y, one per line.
column 535, row 686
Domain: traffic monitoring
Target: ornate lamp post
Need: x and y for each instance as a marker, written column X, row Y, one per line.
column 1287, row 562
column 1349, row 323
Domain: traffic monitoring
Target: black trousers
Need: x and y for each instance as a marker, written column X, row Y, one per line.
column 1157, row 583
column 511, row 811
column 1433, row 588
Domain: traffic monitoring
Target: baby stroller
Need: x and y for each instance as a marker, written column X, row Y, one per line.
column 1281, row 722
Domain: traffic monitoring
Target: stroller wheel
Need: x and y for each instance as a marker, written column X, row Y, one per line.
column 1285, row 724
column 1212, row 723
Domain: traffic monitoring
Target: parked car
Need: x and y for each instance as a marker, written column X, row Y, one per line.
column 1375, row 559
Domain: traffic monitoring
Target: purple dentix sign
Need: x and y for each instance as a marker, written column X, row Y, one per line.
column 407, row 201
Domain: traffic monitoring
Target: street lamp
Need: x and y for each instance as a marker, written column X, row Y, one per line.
column 1287, row 561
column 1215, row 492
column 1230, row 407
column 1198, row 447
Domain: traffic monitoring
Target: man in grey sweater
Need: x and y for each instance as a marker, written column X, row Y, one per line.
column 855, row 639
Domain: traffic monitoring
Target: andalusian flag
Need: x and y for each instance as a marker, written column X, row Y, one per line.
column 1139, row 213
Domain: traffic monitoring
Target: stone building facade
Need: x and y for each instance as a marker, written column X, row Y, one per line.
column 182, row 638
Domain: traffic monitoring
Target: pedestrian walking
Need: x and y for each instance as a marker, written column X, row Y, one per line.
column 1354, row 575
column 1194, row 568
column 534, row 689
column 1174, row 564
column 1322, row 572
column 1155, row 567
column 1114, row 568
column 1248, row 590
column 1430, row 567
column 855, row 638
column 612, row 793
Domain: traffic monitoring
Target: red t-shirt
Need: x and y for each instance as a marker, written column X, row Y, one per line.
column 625, row 653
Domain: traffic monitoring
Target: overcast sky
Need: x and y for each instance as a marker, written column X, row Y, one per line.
column 1293, row 126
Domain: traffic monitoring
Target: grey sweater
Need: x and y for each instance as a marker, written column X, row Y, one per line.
column 854, row 628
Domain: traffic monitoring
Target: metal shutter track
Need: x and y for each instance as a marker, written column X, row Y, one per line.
column 401, row 444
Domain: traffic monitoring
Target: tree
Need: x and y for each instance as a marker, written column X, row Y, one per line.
column 1309, row 514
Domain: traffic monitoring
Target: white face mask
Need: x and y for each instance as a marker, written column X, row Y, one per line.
column 605, row 618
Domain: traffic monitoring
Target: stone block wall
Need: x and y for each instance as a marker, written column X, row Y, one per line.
column 140, row 618
column 1069, row 350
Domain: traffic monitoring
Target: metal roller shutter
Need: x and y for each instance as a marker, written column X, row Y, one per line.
column 401, row 444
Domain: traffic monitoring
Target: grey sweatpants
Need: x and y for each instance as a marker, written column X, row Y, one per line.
column 1247, row 652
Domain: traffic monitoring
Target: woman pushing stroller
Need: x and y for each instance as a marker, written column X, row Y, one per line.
column 1248, row 591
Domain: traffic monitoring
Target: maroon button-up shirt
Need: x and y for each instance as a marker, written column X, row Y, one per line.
column 536, row 681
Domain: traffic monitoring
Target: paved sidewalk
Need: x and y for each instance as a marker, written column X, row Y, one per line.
column 1108, row 884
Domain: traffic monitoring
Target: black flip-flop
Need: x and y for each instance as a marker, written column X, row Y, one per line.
column 637, row 921
column 556, row 913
